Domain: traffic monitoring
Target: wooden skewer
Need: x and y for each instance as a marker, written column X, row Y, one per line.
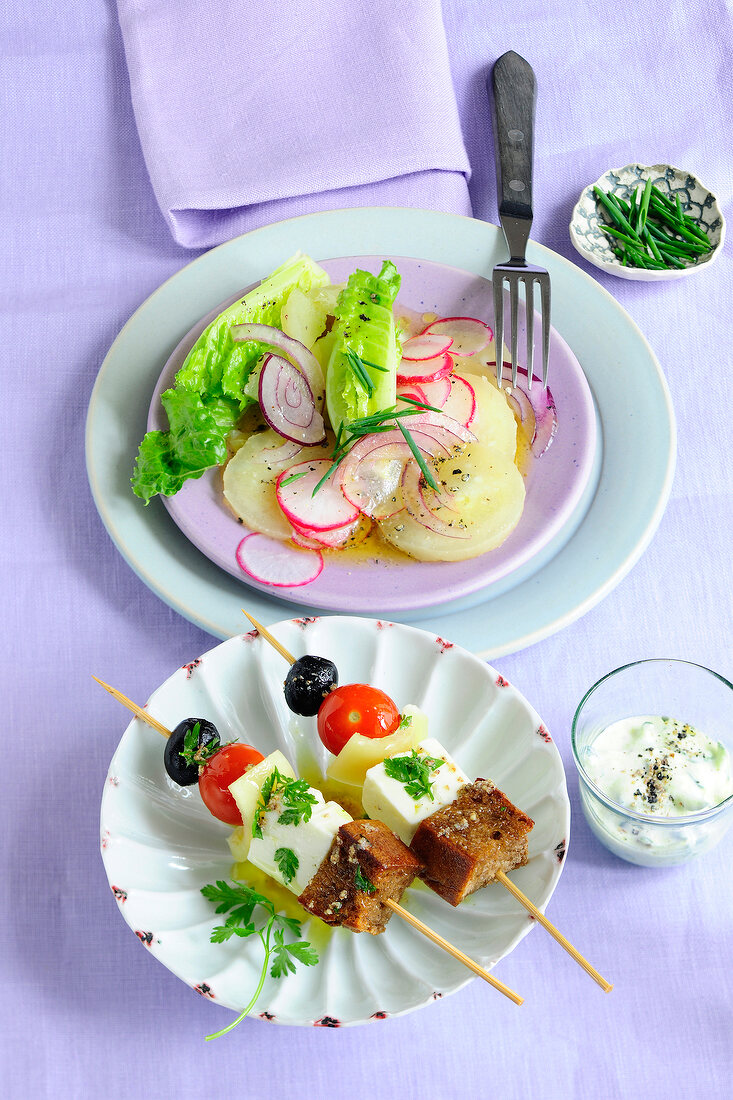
column 554, row 932
column 459, row 955
column 139, row 711
column 451, row 950
column 270, row 638
column 500, row 876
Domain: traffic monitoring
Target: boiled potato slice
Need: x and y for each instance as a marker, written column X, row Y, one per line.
column 303, row 318
column 249, row 483
column 360, row 753
column 494, row 424
column 487, row 494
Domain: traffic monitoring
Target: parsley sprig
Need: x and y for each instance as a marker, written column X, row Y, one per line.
column 414, row 773
column 288, row 863
column 295, row 797
column 241, row 902
column 192, row 752
column 362, row 882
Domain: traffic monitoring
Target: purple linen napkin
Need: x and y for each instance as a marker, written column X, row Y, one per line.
column 250, row 112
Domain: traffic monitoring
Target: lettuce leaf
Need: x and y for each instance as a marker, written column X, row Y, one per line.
column 209, row 393
column 218, row 366
column 195, row 442
column 364, row 327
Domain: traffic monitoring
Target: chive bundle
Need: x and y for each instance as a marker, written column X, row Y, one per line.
column 358, row 365
column 381, row 421
column 651, row 230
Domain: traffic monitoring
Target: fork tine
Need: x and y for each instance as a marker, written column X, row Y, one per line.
column 545, row 296
column 499, row 325
column 514, row 310
column 529, row 324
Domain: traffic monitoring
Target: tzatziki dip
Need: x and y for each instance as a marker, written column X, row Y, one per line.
column 655, row 767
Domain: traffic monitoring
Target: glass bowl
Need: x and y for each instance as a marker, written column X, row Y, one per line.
column 686, row 692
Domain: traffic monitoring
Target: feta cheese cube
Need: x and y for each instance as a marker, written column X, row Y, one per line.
column 387, row 799
column 309, row 841
column 246, row 793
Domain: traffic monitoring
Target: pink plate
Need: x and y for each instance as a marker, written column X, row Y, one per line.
column 560, row 485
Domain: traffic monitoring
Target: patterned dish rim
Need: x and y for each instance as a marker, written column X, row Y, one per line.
column 697, row 200
column 160, row 845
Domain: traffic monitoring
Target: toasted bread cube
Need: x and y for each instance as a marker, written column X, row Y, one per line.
column 363, row 854
column 463, row 846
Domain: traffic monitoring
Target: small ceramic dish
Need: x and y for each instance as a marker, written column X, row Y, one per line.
column 160, row 845
column 696, row 200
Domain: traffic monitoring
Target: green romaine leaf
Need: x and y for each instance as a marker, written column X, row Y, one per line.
column 365, row 338
column 196, row 441
column 217, row 365
column 209, row 393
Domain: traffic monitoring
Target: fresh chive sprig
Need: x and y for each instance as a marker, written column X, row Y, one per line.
column 650, row 230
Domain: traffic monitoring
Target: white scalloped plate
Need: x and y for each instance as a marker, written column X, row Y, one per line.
column 160, row 845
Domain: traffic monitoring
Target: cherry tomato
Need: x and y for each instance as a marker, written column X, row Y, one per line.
column 355, row 708
column 223, row 768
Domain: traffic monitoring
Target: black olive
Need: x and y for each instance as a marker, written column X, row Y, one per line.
column 308, row 683
column 182, row 773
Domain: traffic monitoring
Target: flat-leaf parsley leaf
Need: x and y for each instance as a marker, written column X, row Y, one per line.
column 414, row 772
column 240, row 902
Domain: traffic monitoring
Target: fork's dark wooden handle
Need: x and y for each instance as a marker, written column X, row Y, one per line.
column 514, row 99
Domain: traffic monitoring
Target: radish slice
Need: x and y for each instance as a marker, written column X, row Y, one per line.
column 542, row 405
column 441, row 427
column 412, row 389
column 324, row 511
column 287, row 402
column 419, row 348
column 325, row 539
column 372, row 471
column 426, row 371
column 275, row 563
column 436, row 393
column 461, row 403
column 468, row 334
column 416, row 504
column 298, row 353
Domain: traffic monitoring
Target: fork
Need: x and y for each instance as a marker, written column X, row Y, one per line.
column 514, row 97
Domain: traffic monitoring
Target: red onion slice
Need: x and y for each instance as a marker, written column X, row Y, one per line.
column 541, row 402
column 372, row 471
column 287, row 404
column 469, row 335
column 275, row 563
column 324, row 510
column 298, row 353
column 307, row 536
column 415, row 495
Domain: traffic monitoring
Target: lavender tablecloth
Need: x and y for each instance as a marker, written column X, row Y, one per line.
column 86, row 1012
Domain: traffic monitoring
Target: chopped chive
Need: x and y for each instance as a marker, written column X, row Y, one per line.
column 644, row 205
column 375, row 366
column 621, row 236
column 293, row 477
column 325, row 477
column 614, row 211
column 420, row 404
column 651, row 243
column 418, row 457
